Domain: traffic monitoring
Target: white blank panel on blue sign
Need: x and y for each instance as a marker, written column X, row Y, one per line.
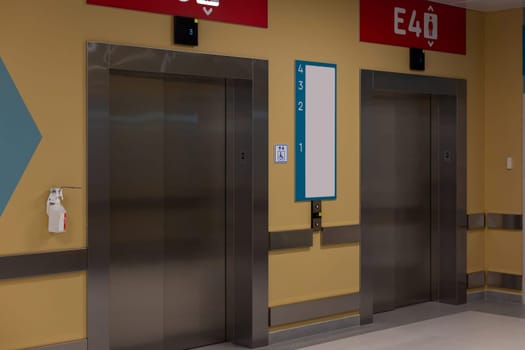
column 315, row 131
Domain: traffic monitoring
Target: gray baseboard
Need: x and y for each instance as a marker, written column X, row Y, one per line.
column 475, row 296
column 73, row 345
column 313, row 309
column 493, row 296
column 312, row 329
column 496, row 296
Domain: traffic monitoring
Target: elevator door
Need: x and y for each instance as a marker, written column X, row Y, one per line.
column 396, row 203
column 168, row 212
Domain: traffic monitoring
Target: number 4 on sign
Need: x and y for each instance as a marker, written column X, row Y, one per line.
column 414, row 25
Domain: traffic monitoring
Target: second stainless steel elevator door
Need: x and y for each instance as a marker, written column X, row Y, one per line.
column 396, row 197
column 168, row 205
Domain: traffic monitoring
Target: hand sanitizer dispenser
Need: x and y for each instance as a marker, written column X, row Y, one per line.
column 57, row 214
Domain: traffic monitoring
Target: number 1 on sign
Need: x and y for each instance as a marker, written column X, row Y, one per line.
column 431, row 26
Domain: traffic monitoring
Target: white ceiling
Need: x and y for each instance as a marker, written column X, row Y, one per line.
column 485, row 5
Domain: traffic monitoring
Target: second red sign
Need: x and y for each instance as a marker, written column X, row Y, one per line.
column 419, row 24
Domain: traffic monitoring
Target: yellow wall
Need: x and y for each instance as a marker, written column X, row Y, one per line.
column 43, row 45
column 503, row 114
column 503, row 252
column 503, row 135
column 42, row 310
column 476, row 251
column 309, row 274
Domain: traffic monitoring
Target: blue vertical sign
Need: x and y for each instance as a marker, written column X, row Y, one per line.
column 19, row 136
column 300, row 98
column 315, row 130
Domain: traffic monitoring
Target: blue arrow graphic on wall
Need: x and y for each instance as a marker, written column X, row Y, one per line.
column 19, row 136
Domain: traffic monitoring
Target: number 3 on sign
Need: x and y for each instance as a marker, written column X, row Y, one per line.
column 300, row 86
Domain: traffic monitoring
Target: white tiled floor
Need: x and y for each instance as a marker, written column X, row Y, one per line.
column 466, row 330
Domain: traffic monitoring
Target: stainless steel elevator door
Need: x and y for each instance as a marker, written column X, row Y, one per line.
column 168, row 212
column 137, row 212
column 396, row 203
column 195, row 292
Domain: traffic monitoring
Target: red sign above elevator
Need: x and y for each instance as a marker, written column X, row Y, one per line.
column 248, row 12
column 414, row 23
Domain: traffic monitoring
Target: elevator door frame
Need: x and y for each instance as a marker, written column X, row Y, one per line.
column 448, row 223
column 247, row 245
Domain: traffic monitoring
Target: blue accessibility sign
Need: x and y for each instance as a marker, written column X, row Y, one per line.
column 19, row 136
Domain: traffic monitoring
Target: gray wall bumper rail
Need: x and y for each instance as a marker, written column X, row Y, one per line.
column 18, row 266
column 341, row 235
column 476, row 279
column 503, row 280
column 495, row 221
column 504, row 221
column 476, row 221
column 296, row 239
column 301, row 239
column 495, row 280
